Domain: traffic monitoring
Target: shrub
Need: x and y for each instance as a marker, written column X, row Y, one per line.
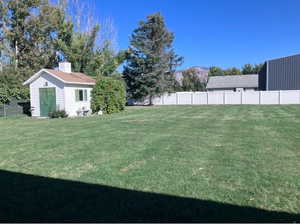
column 108, row 95
column 58, row 114
column 11, row 88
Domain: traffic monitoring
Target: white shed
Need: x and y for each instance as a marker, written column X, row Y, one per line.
column 60, row 89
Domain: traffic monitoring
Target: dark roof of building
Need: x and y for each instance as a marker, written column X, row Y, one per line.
column 233, row 81
column 285, row 57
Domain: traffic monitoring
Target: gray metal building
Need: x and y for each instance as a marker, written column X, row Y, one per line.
column 281, row 74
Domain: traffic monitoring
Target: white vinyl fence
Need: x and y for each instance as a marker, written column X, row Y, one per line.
column 215, row 98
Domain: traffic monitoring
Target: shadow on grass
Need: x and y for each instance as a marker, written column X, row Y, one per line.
column 27, row 198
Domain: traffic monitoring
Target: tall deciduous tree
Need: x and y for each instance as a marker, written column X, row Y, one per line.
column 2, row 13
column 257, row 68
column 191, row 81
column 251, row 69
column 151, row 60
column 232, row 71
column 247, row 69
column 31, row 27
column 215, row 71
column 106, row 62
column 77, row 47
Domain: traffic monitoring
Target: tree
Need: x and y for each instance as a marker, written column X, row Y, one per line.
column 77, row 47
column 108, row 95
column 106, row 62
column 232, row 71
column 30, row 29
column 151, row 60
column 247, row 69
column 251, row 69
column 257, row 68
column 215, row 71
column 191, row 81
column 2, row 13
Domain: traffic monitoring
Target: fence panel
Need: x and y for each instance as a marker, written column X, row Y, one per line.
column 170, row 99
column 290, row 97
column 251, row 97
column 232, row 97
column 269, row 97
column 158, row 101
column 184, row 98
column 200, row 98
column 215, row 98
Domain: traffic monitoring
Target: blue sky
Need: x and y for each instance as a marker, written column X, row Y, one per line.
column 215, row 32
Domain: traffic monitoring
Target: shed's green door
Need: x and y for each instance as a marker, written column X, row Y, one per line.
column 47, row 101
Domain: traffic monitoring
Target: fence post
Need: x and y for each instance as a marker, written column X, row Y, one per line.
column 4, row 110
column 163, row 99
column 242, row 97
column 207, row 98
column 224, row 97
column 259, row 97
column 279, row 95
column 177, row 99
column 192, row 98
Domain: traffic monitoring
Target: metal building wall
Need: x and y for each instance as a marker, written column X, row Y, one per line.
column 262, row 77
column 283, row 73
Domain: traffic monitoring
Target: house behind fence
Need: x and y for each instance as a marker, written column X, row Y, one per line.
column 233, row 83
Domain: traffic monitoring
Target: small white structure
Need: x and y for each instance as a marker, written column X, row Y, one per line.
column 52, row 90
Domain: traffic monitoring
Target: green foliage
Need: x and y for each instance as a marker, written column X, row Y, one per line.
column 105, row 61
column 38, row 34
column 78, row 47
column 58, row 114
column 257, row 68
column 246, row 69
column 215, row 71
column 31, row 27
column 108, row 95
column 251, row 69
column 191, row 81
column 11, row 88
column 151, row 60
column 232, row 71
column 4, row 94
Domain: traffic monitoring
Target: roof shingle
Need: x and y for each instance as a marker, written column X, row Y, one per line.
column 73, row 77
column 233, row 81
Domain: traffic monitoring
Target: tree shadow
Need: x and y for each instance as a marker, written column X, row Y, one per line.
column 28, row 198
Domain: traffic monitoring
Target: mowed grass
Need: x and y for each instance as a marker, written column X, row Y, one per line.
column 238, row 155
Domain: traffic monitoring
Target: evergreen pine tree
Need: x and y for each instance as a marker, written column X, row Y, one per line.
column 151, row 60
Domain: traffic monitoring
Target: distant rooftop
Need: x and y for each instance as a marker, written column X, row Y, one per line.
column 233, row 81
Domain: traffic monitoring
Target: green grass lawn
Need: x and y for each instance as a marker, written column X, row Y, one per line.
column 172, row 163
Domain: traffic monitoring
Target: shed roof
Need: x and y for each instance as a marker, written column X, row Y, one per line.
column 233, row 81
column 72, row 78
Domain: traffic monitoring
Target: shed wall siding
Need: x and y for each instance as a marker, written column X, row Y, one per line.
column 71, row 105
column 35, row 94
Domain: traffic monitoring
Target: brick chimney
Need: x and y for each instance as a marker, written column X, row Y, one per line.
column 65, row 67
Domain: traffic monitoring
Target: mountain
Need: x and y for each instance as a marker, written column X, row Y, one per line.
column 202, row 72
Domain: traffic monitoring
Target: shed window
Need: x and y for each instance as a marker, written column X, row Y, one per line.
column 81, row 95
